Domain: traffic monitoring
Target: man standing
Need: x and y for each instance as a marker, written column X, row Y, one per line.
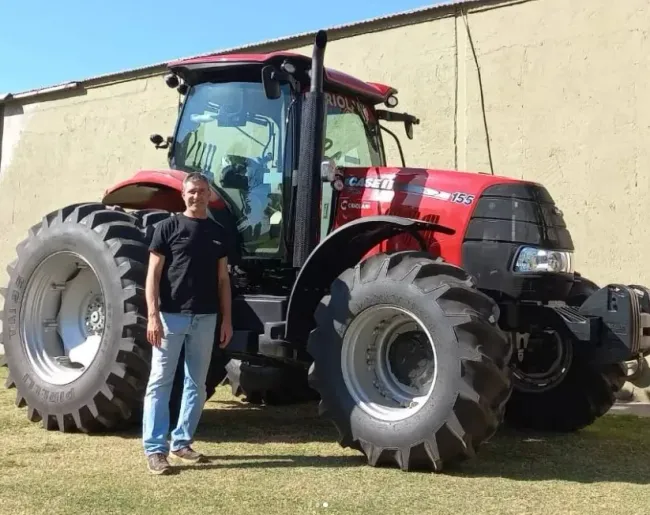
column 187, row 288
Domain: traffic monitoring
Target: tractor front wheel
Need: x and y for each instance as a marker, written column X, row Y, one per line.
column 409, row 362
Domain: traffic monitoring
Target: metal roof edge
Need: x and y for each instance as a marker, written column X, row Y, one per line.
column 280, row 43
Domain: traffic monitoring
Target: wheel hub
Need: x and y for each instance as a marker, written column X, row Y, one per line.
column 542, row 360
column 410, row 357
column 388, row 362
column 62, row 317
column 94, row 315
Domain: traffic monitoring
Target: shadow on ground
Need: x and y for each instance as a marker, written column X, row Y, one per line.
column 614, row 449
column 238, row 422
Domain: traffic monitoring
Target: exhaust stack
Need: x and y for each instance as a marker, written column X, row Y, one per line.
column 308, row 180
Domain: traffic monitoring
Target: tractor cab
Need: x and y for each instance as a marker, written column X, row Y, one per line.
column 239, row 125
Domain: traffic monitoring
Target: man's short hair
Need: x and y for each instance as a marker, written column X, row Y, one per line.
column 195, row 177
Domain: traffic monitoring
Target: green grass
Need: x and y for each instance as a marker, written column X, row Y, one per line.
column 287, row 461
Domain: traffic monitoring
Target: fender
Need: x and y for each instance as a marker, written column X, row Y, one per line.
column 153, row 189
column 325, row 262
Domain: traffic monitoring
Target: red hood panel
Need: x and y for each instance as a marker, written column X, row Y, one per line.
column 441, row 184
column 446, row 197
column 163, row 190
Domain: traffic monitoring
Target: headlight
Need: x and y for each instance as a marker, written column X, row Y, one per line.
column 531, row 259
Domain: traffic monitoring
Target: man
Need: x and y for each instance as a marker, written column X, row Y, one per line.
column 187, row 288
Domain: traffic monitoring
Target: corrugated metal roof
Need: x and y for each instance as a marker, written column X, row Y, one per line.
column 278, row 41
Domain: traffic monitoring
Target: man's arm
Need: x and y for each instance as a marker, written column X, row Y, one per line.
column 157, row 250
column 152, row 293
column 225, row 302
column 152, row 286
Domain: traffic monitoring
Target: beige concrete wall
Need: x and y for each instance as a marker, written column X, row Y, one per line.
column 564, row 86
column 69, row 149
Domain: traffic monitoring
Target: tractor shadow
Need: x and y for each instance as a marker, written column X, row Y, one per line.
column 231, row 421
column 614, row 449
column 244, row 423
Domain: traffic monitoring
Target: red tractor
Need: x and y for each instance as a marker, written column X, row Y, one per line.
column 422, row 307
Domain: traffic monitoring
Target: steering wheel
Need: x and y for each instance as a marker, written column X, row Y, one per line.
column 328, row 144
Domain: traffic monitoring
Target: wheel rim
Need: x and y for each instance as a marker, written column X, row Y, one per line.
column 541, row 360
column 62, row 318
column 388, row 362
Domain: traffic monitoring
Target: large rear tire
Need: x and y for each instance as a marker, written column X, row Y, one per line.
column 436, row 410
column 74, row 319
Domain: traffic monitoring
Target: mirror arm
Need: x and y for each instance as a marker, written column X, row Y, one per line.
column 284, row 76
column 399, row 145
column 390, row 116
column 408, row 119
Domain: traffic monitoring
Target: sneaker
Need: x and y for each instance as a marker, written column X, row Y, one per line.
column 188, row 455
column 158, row 464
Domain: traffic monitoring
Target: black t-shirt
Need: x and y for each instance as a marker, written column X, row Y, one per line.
column 192, row 248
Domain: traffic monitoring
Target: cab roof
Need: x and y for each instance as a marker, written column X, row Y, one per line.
column 371, row 91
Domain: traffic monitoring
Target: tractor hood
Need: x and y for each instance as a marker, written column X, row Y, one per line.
column 445, row 185
column 479, row 207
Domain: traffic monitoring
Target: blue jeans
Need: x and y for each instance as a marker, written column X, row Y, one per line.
column 197, row 332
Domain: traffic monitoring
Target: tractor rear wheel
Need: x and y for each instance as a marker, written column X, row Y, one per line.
column 74, row 319
column 410, row 364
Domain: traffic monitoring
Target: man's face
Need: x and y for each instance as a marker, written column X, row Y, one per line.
column 196, row 196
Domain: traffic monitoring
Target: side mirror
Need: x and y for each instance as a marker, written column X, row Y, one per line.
column 159, row 141
column 271, row 84
column 408, row 127
column 171, row 80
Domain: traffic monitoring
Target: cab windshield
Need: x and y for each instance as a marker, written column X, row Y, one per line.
column 352, row 132
column 234, row 135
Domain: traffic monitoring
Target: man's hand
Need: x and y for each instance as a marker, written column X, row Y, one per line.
column 154, row 330
column 226, row 333
column 224, row 301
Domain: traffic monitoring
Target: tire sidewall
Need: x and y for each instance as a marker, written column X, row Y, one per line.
column 438, row 407
column 88, row 243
